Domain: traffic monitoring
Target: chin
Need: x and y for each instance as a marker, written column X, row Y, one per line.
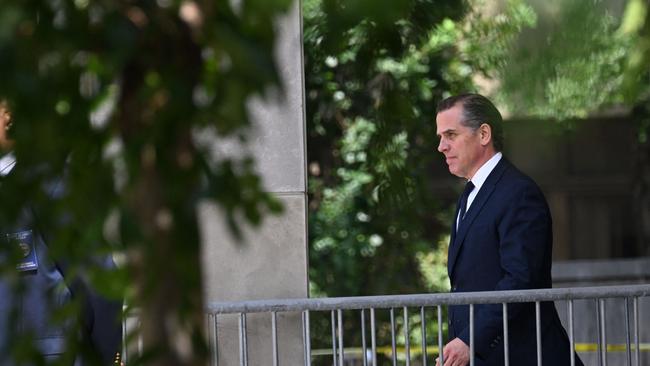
column 457, row 174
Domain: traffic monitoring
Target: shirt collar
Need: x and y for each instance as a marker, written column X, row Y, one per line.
column 484, row 171
column 7, row 163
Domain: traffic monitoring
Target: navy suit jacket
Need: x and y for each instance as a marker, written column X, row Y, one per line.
column 504, row 243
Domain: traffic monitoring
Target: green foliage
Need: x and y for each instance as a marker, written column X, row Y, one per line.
column 490, row 38
column 573, row 64
column 368, row 96
column 116, row 92
column 372, row 83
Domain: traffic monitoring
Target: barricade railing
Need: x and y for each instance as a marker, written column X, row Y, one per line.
column 425, row 302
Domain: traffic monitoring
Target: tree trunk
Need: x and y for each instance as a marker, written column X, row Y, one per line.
column 163, row 180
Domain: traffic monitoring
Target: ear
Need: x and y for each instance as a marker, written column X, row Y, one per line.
column 485, row 134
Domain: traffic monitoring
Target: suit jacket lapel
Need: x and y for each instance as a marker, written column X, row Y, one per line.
column 458, row 236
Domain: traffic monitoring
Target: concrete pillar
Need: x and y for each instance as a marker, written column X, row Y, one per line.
column 271, row 261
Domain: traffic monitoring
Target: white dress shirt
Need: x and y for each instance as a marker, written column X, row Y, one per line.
column 479, row 178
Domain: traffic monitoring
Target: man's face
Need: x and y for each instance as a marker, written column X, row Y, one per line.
column 5, row 120
column 460, row 144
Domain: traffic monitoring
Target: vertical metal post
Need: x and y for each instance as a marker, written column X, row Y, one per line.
column 215, row 342
column 424, row 336
column 373, row 338
column 603, row 329
column 125, row 350
column 506, row 352
column 209, row 324
column 441, row 356
column 392, row 335
column 407, row 342
column 600, row 343
column 307, row 338
column 243, row 346
column 363, row 338
column 471, row 334
column 628, row 349
column 274, row 336
column 538, row 331
column 635, row 309
column 341, row 355
column 334, row 359
column 140, row 339
column 572, row 347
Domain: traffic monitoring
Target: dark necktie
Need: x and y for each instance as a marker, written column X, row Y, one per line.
column 463, row 200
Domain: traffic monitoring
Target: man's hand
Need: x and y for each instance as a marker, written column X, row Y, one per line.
column 456, row 353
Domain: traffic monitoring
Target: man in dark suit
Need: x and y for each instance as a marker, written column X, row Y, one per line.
column 33, row 285
column 501, row 239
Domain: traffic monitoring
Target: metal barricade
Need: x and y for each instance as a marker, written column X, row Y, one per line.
column 367, row 307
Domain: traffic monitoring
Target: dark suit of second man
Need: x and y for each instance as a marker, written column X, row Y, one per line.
column 35, row 287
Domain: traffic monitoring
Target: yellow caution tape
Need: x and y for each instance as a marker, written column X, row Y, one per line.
column 401, row 351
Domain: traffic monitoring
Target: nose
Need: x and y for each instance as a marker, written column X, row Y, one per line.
column 442, row 146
